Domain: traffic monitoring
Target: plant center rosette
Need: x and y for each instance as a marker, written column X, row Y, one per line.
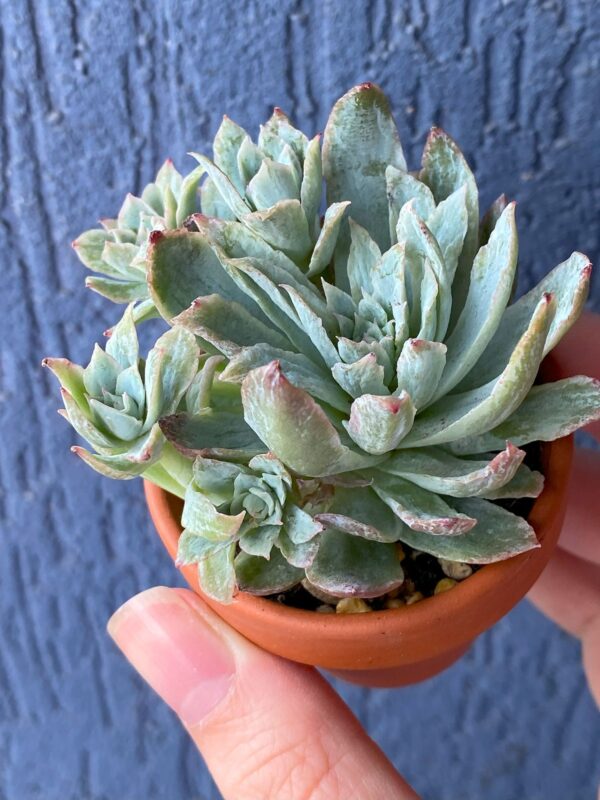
column 342, row 401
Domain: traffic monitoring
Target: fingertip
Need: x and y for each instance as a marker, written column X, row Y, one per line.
column 176, row 650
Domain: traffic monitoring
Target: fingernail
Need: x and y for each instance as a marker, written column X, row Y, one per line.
column 175, row 650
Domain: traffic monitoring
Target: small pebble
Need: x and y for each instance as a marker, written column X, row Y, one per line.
column 412, row 598
column 400, row 551
column 394, row 602
column 325, row 609
column 444, row 585
column 455, row 569
column 352, row 605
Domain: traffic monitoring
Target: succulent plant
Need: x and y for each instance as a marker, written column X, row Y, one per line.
column 116, row 401
column 117, row 251
column 366, row 380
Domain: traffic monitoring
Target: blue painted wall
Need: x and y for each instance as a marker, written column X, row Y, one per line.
column 96, row 94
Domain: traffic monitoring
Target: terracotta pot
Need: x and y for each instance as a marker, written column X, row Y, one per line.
column 397, row 646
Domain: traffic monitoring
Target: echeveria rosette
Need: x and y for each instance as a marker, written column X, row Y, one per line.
column 270, row 190
column 376, row 355
column 117, row 251
column 411, row 371
column 249, row 510
column 115, row 402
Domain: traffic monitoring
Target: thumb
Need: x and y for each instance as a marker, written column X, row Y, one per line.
column 267, row 728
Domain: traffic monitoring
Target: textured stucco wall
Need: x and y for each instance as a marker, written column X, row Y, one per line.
column 95, row 95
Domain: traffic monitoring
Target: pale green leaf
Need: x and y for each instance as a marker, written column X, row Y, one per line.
column 284, row 227
column 378, row 424
column 419, row 369
column 402, row 187
column 549, row 412
column 216, row 434
column 419, row 509
column 479, row 410
column 363, row 257
column 448, row 223
column 258, row 576
column 216, row 574
column 351, row 566
column 183, row 266
column 364, row 376
column 293, row 426
column 489, row 291
column 444, row 170
column 227, row 325
column 438, row 471
column 297, row 368
column 360, row 141
column 133, row 462
column 224, row 186
column 171, row 366
column 569, row 283
column 226, row 145
column 312, row 182
column 360, row 512
column 201, row 516
column 272, row 183
column 323, row 252
column 497, row 536
column 123, row 342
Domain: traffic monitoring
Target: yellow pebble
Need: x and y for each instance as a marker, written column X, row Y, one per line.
column 444, row 585
column 455, row 569
column 413, row 598
column 352, row 605
column 394, row 602
column 400, row 552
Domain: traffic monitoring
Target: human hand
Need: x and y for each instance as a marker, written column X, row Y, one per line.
column 569, row 589
column 268, row 728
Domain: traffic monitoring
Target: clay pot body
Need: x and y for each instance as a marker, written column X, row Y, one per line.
column 397, row 646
